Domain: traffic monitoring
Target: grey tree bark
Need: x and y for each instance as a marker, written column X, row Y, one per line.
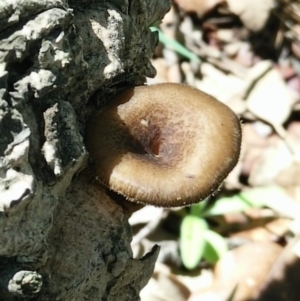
column 62, row 237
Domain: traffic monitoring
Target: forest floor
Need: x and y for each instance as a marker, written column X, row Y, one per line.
column 246, row 54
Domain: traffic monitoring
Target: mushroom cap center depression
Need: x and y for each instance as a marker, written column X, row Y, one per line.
column 167, row 145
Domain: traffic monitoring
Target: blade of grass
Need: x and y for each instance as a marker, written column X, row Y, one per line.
column 232, row 294
column 176, row 46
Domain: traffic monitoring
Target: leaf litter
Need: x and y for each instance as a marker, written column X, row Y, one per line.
column 246, row 54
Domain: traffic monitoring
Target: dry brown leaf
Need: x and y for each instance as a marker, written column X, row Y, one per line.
column 200, row 7
column 290, row 176
column 275, row 163
column 273, row 160
column 253, row 13
column 164, row 286
column 218, row 84
column 253, row 145
column 264, row 231
column 246, row 266
column 282, row 282
column 269, row 97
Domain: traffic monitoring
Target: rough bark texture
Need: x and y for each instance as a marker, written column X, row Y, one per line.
column 62, row 237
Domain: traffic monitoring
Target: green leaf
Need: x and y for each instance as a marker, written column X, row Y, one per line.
column 227, row 205
column 192, row 241
column 272, row 196
column 275, row 198
column 215, row 247
column 197, row 209
column 173, row 44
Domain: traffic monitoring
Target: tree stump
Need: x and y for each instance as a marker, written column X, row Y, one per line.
column 62, row 237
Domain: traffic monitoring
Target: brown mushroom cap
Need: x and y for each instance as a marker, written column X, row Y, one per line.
column 166, row 145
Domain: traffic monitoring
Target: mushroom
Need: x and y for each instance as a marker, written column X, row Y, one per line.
column 165, row 145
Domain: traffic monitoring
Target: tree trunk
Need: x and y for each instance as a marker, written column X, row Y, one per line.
column 62, row 237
